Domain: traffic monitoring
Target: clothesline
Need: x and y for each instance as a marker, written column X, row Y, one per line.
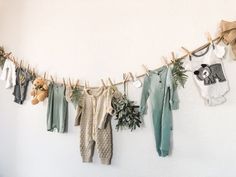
column 127, row 79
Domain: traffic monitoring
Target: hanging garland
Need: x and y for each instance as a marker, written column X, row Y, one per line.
column 227, row 35
column 126, row 112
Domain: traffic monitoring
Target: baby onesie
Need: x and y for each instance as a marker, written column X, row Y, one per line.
column 163, row 96
column 209, row 75
column 95, row 128
column 22, row 81
column 9, row 73
column 57, row 113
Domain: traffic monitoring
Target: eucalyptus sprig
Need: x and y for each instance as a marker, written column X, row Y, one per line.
column 75, row 95
column 126, row 113
column 179, row 73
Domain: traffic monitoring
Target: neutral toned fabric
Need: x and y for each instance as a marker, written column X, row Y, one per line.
column 164, row 98
column 9, row 73
column 95, row 128
column 22, row 81
column 209, row 75
column 228, row 32
column 57, row 113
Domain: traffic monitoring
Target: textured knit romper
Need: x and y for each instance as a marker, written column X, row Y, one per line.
column 94, row 127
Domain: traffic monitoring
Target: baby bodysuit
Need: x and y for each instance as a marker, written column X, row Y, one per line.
column 22, row 80
column 209, row 75
column 9, row 73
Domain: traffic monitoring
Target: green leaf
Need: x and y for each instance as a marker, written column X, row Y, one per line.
column 126, row 113
column 179, row 73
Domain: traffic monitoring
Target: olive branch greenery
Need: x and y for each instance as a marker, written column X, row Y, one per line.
column 75, row 95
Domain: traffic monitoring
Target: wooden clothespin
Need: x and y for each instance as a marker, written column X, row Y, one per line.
column 125, row 77
column 7, row 55
column 103, row 83
column 220, row 39
column 64, row 82
column 52, row 79
column 173, row 57
column 21, row 63
column 164, row 61
column 209, row 38
column 131, row 76
column 146, row 70
column 189, row 54
column 14, row 60
column 85, row 85
column 28, row 67
column 33, row 71
column 70, row 83
column 110, row 82
column 44, row 76
column 77, row 83
column 187, row 51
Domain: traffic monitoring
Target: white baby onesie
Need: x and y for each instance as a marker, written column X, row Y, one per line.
column 9, row 73
column 209, row 75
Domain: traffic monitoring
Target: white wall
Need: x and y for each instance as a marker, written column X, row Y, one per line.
column 100, row 38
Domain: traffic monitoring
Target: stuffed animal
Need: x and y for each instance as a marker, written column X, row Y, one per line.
column 39, row 91
column 209, row 73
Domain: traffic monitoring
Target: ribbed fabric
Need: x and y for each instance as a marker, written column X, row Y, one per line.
column 57, row 113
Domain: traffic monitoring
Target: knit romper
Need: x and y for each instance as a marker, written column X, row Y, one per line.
column 95, row 128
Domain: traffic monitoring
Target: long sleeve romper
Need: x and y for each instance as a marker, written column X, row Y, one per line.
column 163, row 96
column 95, row 127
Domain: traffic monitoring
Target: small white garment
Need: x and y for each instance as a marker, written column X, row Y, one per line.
column 209, row 75
column 9, row 73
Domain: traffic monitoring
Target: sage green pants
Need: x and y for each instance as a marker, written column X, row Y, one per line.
column 57, row 115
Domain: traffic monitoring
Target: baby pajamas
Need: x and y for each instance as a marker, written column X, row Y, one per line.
column 95, row 128
column 163, row 96
column 22, row 81
column 9, row 73
column 209, row 75
column 57, row 113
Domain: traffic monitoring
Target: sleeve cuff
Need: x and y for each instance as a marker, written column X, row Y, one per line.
column 143, row 111
column 77, row 119
column 174, row 105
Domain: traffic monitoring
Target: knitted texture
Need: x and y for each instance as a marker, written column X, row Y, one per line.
column 95, row 126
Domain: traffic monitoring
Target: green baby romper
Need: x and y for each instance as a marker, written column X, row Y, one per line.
column 164, row 98
column 57, row 113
